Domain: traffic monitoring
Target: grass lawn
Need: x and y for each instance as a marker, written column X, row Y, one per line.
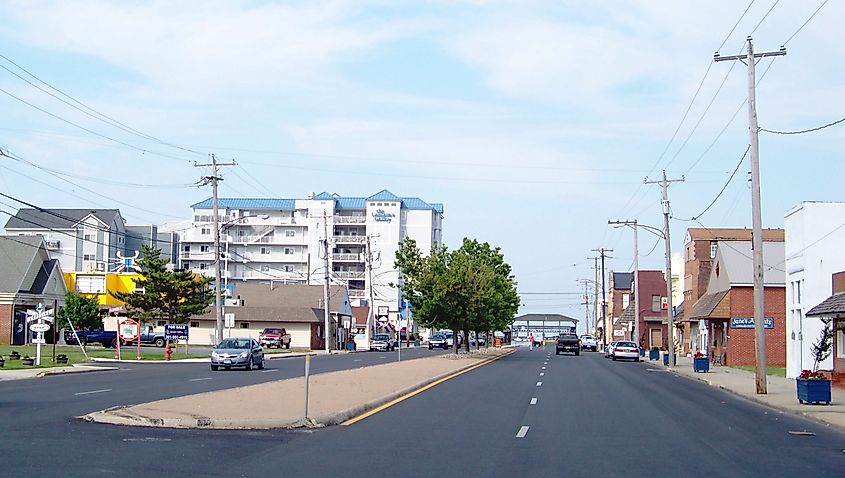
column 773, row 371
column 74, row 354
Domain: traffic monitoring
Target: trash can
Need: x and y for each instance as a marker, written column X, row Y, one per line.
column 350, row 346
column 666, row 359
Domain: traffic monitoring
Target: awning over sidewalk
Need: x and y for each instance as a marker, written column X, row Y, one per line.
column 708, row 306
column 832, row 307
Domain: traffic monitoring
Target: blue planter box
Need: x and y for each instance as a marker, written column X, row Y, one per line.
column 701, row 364
column 654, row 355
column 813, row 391
column 642, row 352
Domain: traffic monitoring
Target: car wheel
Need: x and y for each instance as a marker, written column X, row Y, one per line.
column 261, row 364
column 614, row 358
column 113, row 344
column 248, row 365
column 557, row 352
column 287, row 345
column 430, row 347
column 214, row 368
column 577, row 353
column 159, row 342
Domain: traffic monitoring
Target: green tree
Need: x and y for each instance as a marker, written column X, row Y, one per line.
column 83, row 312
column 164, row 294
column 469, row 289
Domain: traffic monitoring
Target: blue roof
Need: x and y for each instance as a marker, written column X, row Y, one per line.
column 384, row 195
column 247, row 203
column 324, row 195
column 351, row 203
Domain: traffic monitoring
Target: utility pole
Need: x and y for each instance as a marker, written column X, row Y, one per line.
column 596, row 294
column 326, row 280
column 371, row 312
column 670, row 319
column 636, row 291
column 215, row 218
column 756, row 213
column 603, row 253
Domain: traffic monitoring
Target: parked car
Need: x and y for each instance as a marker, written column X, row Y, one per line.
column 608, row 351
column 626, row 350
column 588, row 342
column 383, row 342
column 438, row 341
column 568, row 343
column 148, row 337
column 237, row 352
column 274, row 337
column 476, row 340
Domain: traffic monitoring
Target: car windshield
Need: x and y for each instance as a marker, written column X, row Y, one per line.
column 438, row 337
column 234, row 344
column 272, row 331
column 626, row 344
column 382, row 337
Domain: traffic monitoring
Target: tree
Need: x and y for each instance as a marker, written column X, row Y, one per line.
column 469, row 289
column 83, row 312
column 164, row 294
column 823, row 347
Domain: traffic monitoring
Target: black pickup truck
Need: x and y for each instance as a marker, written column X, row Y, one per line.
column 568, row 343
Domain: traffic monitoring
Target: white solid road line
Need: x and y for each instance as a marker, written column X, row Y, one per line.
column 541, row 374
column 93, row 391
column 533, row 401
column 522, row 432
column 270, row 370
column 198, row 379
column 357, row 360
column 539, row 384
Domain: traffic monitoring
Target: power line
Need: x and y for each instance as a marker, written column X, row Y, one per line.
column 805, row 23
column 804, row 130
column 720, row 192
column 764, row 17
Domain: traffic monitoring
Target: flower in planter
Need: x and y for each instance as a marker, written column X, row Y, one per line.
column 812, row 375
column 699, row 355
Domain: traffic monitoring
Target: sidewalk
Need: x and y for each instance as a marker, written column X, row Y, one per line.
column 6, row 375
column 781, row 394
column 333, row 397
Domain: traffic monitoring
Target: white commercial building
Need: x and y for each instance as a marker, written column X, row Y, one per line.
column 815, row 234
column 281, row 240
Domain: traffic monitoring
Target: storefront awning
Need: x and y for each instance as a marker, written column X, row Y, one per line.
column 705, row 307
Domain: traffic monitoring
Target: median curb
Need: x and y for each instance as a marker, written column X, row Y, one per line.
column 187, row 360
column 75, row 368
column 119, row 415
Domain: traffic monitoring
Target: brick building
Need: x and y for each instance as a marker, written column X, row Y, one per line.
column 700, row 248
column 724, row 314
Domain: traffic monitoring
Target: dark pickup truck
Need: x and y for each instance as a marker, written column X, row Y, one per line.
column 104, row 337
column 568, row 343
column 149, row 337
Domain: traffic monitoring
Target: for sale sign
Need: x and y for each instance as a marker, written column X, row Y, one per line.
column 176, row 331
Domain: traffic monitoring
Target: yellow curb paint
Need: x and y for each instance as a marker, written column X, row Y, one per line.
column 389, row 404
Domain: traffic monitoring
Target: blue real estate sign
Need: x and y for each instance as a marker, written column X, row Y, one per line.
column 176, row 332
column 748, row 323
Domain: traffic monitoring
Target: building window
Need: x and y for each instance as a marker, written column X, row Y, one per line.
column 244, row 325
column 265, row 250
column 187, row 248
column 289, row 269
column 265, row 268
column 203, row 248
column 203, row 266
column 714, row 246
column 655, row 303
column 88, row 237
column 89, row 257
column 139, row 289
column 290, row 233
column 288, row 251
column 195, row 323
column 626, row 299
column 205, row 231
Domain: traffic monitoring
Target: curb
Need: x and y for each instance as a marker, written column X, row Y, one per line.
column 187, row 360
column 759, row 401
column 109, row 416
column 75, row 369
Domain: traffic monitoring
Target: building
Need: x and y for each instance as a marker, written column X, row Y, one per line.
column 700, row 246
column 620, row 287
column 833, row 309
column 725, row 313
column 281, row 240
column 28, row 277
column 296, row 307
column 543, row 325
column 83, row 240
column 814, row 239
column 136, row 236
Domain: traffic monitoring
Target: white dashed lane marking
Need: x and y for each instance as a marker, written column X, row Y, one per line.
column 539, row 384
column 93, row 391
column 533, row 401
column 522, row 432
column 544, row 368
column 541, row 374
column 199, row 379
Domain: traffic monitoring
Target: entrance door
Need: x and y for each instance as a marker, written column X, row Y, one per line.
column 656, row 336
column 317, row 337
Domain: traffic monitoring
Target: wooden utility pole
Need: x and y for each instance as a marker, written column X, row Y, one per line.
column 636, row 287
column 756, row 211
column 602, row 254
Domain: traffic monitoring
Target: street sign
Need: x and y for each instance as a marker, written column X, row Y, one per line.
column 39, row 308
column 39, row 340
column 176, row 332
column 229, row 320
column 129, row 330
column 383, row 311
column 39, row 327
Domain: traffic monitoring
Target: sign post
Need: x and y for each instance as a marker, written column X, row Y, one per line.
column 40, row 321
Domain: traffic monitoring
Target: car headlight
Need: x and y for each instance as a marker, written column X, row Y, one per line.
column 214, row 354
column 244, row 354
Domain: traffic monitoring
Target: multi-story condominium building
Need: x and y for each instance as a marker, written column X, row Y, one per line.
column 83, row 240
column 282, row 240
column 166, row 242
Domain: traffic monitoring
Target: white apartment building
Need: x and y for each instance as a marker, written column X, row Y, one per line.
column 815, row 234
column 83, row 240
column 281, row 240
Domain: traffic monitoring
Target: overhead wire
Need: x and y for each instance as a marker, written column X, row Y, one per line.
column 741, row 160
column 810, row 130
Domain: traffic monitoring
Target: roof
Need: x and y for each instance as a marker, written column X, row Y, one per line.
column 623, row 280
column 18, row 255
column 29, row 218
column 704, row 307
column 547, row 317
column 736, row 234
column 360, row 314
column 384, row 195
column 351, row 203
column 271, row 314
column 247, row 203
column 736, row 259
column 265, row 294
column 679, row 309
column 833, row 305
column 627, row 314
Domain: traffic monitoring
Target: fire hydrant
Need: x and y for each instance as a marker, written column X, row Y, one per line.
column 168, row 352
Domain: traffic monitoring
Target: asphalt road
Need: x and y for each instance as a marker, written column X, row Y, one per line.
column 591, row 417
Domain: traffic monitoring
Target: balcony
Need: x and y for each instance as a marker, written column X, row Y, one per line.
column 350, row 239
column 347, row 257
column 350, row 219
column 357, row 293
column 349, row 274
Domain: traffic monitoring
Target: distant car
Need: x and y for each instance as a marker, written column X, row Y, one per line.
column 626, row 350
column 438, row 341
column 237, row 352
column 568, row 343
column 476, row 340
column 588, row 342
column 274, row 337
column 382, row 342
column 608, row 351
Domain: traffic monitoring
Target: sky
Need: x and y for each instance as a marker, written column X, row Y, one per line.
column 533, row 122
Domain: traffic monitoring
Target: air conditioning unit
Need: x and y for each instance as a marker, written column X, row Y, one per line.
column 234, row 302
column 52, row 245
column 101, row 266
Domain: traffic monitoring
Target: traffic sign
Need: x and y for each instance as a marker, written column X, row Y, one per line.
column 39, row 327
column 229, row 319
column 39, row 340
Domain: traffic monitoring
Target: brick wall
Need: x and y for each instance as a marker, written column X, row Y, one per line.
column 741, row 343
column 6, row 317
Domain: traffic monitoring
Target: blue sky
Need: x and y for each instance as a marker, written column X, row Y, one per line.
column 533, row 122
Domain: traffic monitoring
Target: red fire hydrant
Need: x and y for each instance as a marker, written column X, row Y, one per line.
column 168, row 352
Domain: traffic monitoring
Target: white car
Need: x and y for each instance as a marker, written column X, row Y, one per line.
column 608, row 351
column 383, row 343
column 588, row 342
column 626, row 350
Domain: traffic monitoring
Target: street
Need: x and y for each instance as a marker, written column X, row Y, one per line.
column 584, row 416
